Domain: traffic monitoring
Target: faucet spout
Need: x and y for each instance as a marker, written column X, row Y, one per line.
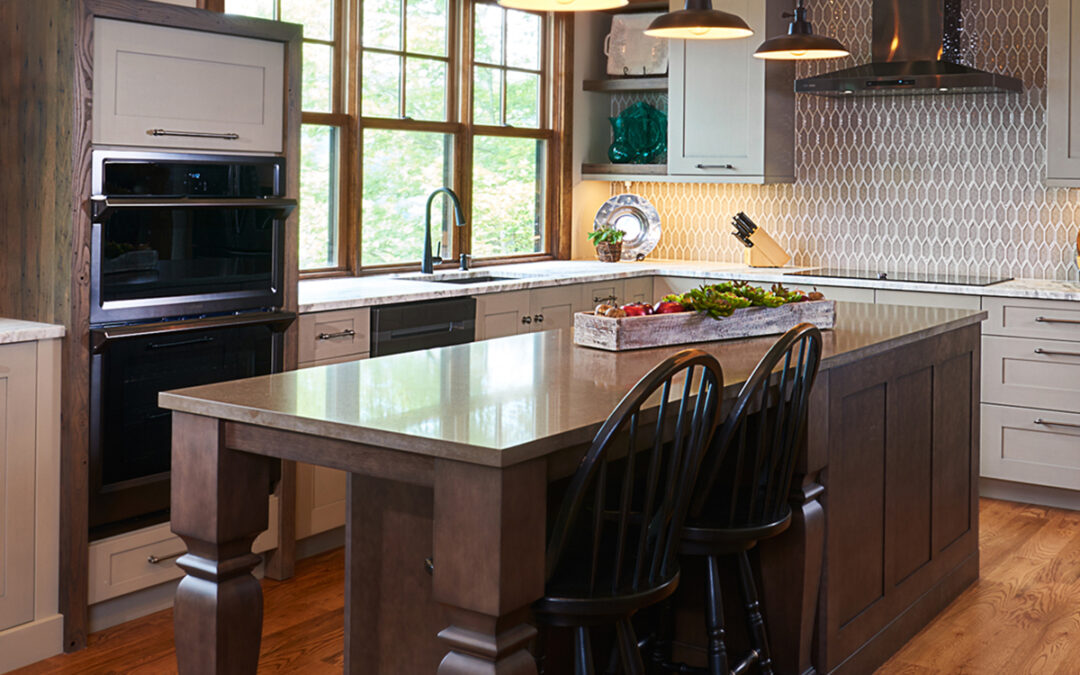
column 427, row 262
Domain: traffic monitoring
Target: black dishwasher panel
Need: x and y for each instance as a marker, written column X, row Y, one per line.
column 410, row 326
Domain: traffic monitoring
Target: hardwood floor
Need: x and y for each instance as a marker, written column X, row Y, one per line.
column 1022, row 616
column 302, row 631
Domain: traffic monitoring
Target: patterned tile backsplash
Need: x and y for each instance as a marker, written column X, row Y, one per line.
column 909, row 183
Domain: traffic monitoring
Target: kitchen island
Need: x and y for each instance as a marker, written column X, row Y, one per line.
column 451, row 452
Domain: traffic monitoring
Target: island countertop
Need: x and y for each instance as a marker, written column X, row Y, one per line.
column 505, row 401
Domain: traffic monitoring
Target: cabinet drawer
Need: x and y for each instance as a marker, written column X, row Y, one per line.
column 917, row 299
column 332, row 335
column 1031, row 446
column 604, row 292
column 1031, row 373
column 227, row 91
column 120, row 565
column 1056, row 320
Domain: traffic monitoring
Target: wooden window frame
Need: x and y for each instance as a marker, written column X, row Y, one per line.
column 556, row 114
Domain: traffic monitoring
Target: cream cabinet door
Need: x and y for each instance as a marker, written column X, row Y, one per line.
column 640, row 289
column 664, row 286
column 602, row 292
column 1062, row 92
column 502, row 314
column 17, row 456
column 919, row 299
column 553, row 308
column 841, row 293
column 320, row 499
column 168, row 87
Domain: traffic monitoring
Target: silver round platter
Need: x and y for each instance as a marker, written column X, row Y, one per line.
column 634, row 215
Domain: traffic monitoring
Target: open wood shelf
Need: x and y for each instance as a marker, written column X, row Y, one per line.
column 626, row 169
column 627, row 84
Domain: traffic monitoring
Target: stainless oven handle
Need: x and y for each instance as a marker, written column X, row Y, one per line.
column 181, row 343
column 101, row 337
column 227, row 136
column 101, row 207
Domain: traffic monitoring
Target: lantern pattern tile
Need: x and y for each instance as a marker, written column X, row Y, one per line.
column 907, row 183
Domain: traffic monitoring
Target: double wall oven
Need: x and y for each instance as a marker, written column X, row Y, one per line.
column 187, row 279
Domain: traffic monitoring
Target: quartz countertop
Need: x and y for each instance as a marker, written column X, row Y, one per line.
column 318, row 295
column 13, row 330
column 504, row 401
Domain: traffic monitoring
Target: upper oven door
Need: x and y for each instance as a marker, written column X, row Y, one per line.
column 183, row 235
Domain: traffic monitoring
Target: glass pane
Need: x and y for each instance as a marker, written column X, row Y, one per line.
column 523, row 51
column 318, row 77
column 488, row 39
column 263, row 9
column 522, row 99
column 487, row 91
column 318, row 197
column 382, row 24
column 426, row 23
column 317, row 17
column 401, row 168
column 381, row 77
column 425, row 89
column 508, row 189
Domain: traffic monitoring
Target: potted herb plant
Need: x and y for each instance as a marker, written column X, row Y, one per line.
column 608, row 243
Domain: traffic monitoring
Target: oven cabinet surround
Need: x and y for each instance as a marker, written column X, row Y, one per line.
column 1031, row 392
column 1063, row 94
column 731, row 117
column 31, row 627
column 206, row 91
column 48, row 121
column 895, row 412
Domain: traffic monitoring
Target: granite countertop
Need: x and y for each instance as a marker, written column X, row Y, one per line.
column 13, row 330
column 504, row 401
column 318, row 295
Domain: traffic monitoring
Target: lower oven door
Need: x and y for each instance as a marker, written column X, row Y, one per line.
column 130, row 436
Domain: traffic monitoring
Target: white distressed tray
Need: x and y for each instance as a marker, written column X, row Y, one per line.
column 658, row 330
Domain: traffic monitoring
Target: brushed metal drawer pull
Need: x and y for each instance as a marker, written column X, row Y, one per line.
column 348, row 332
column 1048, row 423
column 154, row 560
column 1050, row 352
column 610, row 298
column 230, row 136
column 1047, row 319
column 729, row 167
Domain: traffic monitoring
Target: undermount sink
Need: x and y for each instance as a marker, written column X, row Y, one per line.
column 459, row 278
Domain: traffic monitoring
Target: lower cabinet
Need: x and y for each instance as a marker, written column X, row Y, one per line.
column 320, row 499
column 133, row 561
column 502, row 314
column 919, row 299
column 1031, row 446
column 553, row 308
column 31, row 626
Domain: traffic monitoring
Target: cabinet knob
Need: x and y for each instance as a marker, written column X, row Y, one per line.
column 526, row 319
column 539, row 318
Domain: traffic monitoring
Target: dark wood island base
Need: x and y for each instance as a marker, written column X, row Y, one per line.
column 885, row 531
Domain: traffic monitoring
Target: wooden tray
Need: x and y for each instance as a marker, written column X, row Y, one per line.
column 641, row 332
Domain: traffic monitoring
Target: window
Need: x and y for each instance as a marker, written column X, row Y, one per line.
column 455, row 93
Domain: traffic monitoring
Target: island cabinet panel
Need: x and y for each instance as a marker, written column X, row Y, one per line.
column 166, row 87
column 899, row 496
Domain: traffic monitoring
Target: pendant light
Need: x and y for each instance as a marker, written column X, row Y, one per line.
column 563, row 5
column 800, row 43
column 699, row 21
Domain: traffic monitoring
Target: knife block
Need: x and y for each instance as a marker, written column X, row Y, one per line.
column 765, row 252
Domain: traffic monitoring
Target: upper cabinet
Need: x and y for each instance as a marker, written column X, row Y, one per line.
column 166, row 87
column 732, row 116
column 1063, row 94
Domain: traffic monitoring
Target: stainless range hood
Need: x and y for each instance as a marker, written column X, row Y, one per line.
column 916, row 50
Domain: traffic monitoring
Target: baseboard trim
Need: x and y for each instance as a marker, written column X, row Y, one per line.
column 31, row 642
column 1025, row 493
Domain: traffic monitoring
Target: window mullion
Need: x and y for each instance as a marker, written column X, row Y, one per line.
column 403, row 35
column 502, row 73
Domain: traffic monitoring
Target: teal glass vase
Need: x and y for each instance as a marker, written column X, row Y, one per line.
column 640, row 135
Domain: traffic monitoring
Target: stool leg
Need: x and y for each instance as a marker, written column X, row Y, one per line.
column 629, row 653
column 755, row 621
column 541, row 649
column 663, row 633
column 714, row 619
column 583, row 659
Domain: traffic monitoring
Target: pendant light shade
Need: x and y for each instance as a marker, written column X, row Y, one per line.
column 699, row 21
column 800, row 43
column 563, row 5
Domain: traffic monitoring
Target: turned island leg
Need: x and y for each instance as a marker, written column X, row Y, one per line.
column 489, row 564
column 219, row 506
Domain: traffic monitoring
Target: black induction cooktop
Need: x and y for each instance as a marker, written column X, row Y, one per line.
column 909, row 277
